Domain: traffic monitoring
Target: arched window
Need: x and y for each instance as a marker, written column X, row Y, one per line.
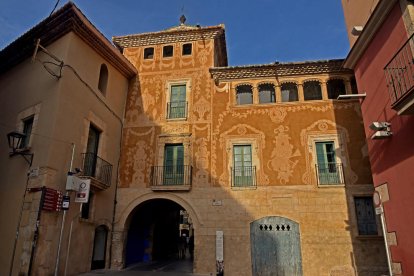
column 312, row 90
column 267, row 93
column 244, row 94
column 99, row 247
column 289, row 92
column 103, row 79
column 354, row 86
column 336, row 87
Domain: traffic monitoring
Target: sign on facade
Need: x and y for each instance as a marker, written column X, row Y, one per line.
column 52, row 200
column 219, row 253
column 82, row 193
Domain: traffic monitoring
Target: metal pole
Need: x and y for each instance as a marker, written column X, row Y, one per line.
column 69, row 242
column 387, row 251
column 62, row 225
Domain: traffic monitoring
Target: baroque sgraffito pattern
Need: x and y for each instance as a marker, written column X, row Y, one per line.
column 223, row 88
column 202, row 153
column 328, row 130
column 201, row 107
column 138, row 157
column 175, row 128
column 282, row 154
column 236, row 134
column 201, row 161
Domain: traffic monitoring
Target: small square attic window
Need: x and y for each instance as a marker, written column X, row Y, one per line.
column 187, row 48
column 149, row 53
column 167, row 51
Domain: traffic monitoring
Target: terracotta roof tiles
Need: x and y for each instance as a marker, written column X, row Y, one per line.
column 279, row 69
column 181, row 33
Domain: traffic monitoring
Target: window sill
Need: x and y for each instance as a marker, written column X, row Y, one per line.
column 245, row 105
column 84, row 220
column 176, row 119
column 243, row 188
column 369, row 237
column 331, row 186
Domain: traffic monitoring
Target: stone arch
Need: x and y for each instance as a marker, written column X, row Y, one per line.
column 126, row 214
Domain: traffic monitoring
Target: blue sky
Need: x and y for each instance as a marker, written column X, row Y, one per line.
column 257, row 31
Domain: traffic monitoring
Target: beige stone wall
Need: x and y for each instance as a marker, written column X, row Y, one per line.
column 65, row 108
column 357, row 13
column 282, row 136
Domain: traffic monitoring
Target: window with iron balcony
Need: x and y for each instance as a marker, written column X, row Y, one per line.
column 399, row 74
column 329, row 171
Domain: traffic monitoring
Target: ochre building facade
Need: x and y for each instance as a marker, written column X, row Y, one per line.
column 266, row 154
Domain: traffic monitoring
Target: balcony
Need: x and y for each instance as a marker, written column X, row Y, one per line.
column 399, row 74
column 329, row 174
column 177, row 110
column 243, row 177
column 97, row 169
column 171, row 178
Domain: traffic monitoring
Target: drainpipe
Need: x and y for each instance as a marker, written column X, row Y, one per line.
column 121, row 121
column 387, row 249
column 62, row 225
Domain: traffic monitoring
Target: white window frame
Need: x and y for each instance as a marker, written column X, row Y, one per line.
column 29, row 112
column 338, row 157
column 168, row 86
column 253, row 143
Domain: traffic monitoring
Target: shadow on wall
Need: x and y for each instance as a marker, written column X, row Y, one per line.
column 368, row 248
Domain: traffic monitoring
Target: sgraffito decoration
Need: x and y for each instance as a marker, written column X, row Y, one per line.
column 326, row 130
column 282, row 155
column 237, row 133
column 139, row 157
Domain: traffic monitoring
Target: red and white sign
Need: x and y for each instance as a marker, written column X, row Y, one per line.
column 52, row 200
column 82, row 191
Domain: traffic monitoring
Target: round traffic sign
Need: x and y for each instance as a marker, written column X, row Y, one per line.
column 376, row 197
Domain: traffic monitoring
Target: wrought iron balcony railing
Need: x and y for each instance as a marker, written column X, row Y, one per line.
column 329, row 173
column 96, row 167
column 177, row 110
column 171, row 176
column 243, row 176
column 399, row 74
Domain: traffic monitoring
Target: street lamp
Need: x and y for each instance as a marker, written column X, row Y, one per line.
column 15, row 140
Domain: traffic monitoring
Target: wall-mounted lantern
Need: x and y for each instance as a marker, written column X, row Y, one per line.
column 15, row 140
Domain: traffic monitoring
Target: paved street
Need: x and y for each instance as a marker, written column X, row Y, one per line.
column 160, row 268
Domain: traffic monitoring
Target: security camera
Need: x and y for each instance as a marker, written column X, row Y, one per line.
column 381, row 134
column 380, row 126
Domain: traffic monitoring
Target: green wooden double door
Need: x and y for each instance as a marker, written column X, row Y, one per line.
column 243, row 171
column 178, row 102
column 328, row 169
column 173, row 165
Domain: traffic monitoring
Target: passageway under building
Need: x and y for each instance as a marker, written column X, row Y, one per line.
column 158, row 229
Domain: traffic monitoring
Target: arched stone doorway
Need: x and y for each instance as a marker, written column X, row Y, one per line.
column 155, row 232
column 99, row 247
